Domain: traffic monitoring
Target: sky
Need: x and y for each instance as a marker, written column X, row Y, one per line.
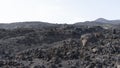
column 58, row 11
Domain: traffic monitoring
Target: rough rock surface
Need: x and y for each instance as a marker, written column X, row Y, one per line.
column 60, row 47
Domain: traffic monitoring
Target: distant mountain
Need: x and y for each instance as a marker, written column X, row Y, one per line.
column 32, row 24
column 99, row 21
column 89, row 23
column 102, row 20
column 37, row 24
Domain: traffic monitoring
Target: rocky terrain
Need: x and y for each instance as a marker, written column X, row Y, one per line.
column 59, row 46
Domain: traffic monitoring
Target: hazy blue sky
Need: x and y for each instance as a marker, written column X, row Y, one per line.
column 58, row 11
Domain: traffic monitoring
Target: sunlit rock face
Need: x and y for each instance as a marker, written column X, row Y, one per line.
column 89, row 37
column 85, row 38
